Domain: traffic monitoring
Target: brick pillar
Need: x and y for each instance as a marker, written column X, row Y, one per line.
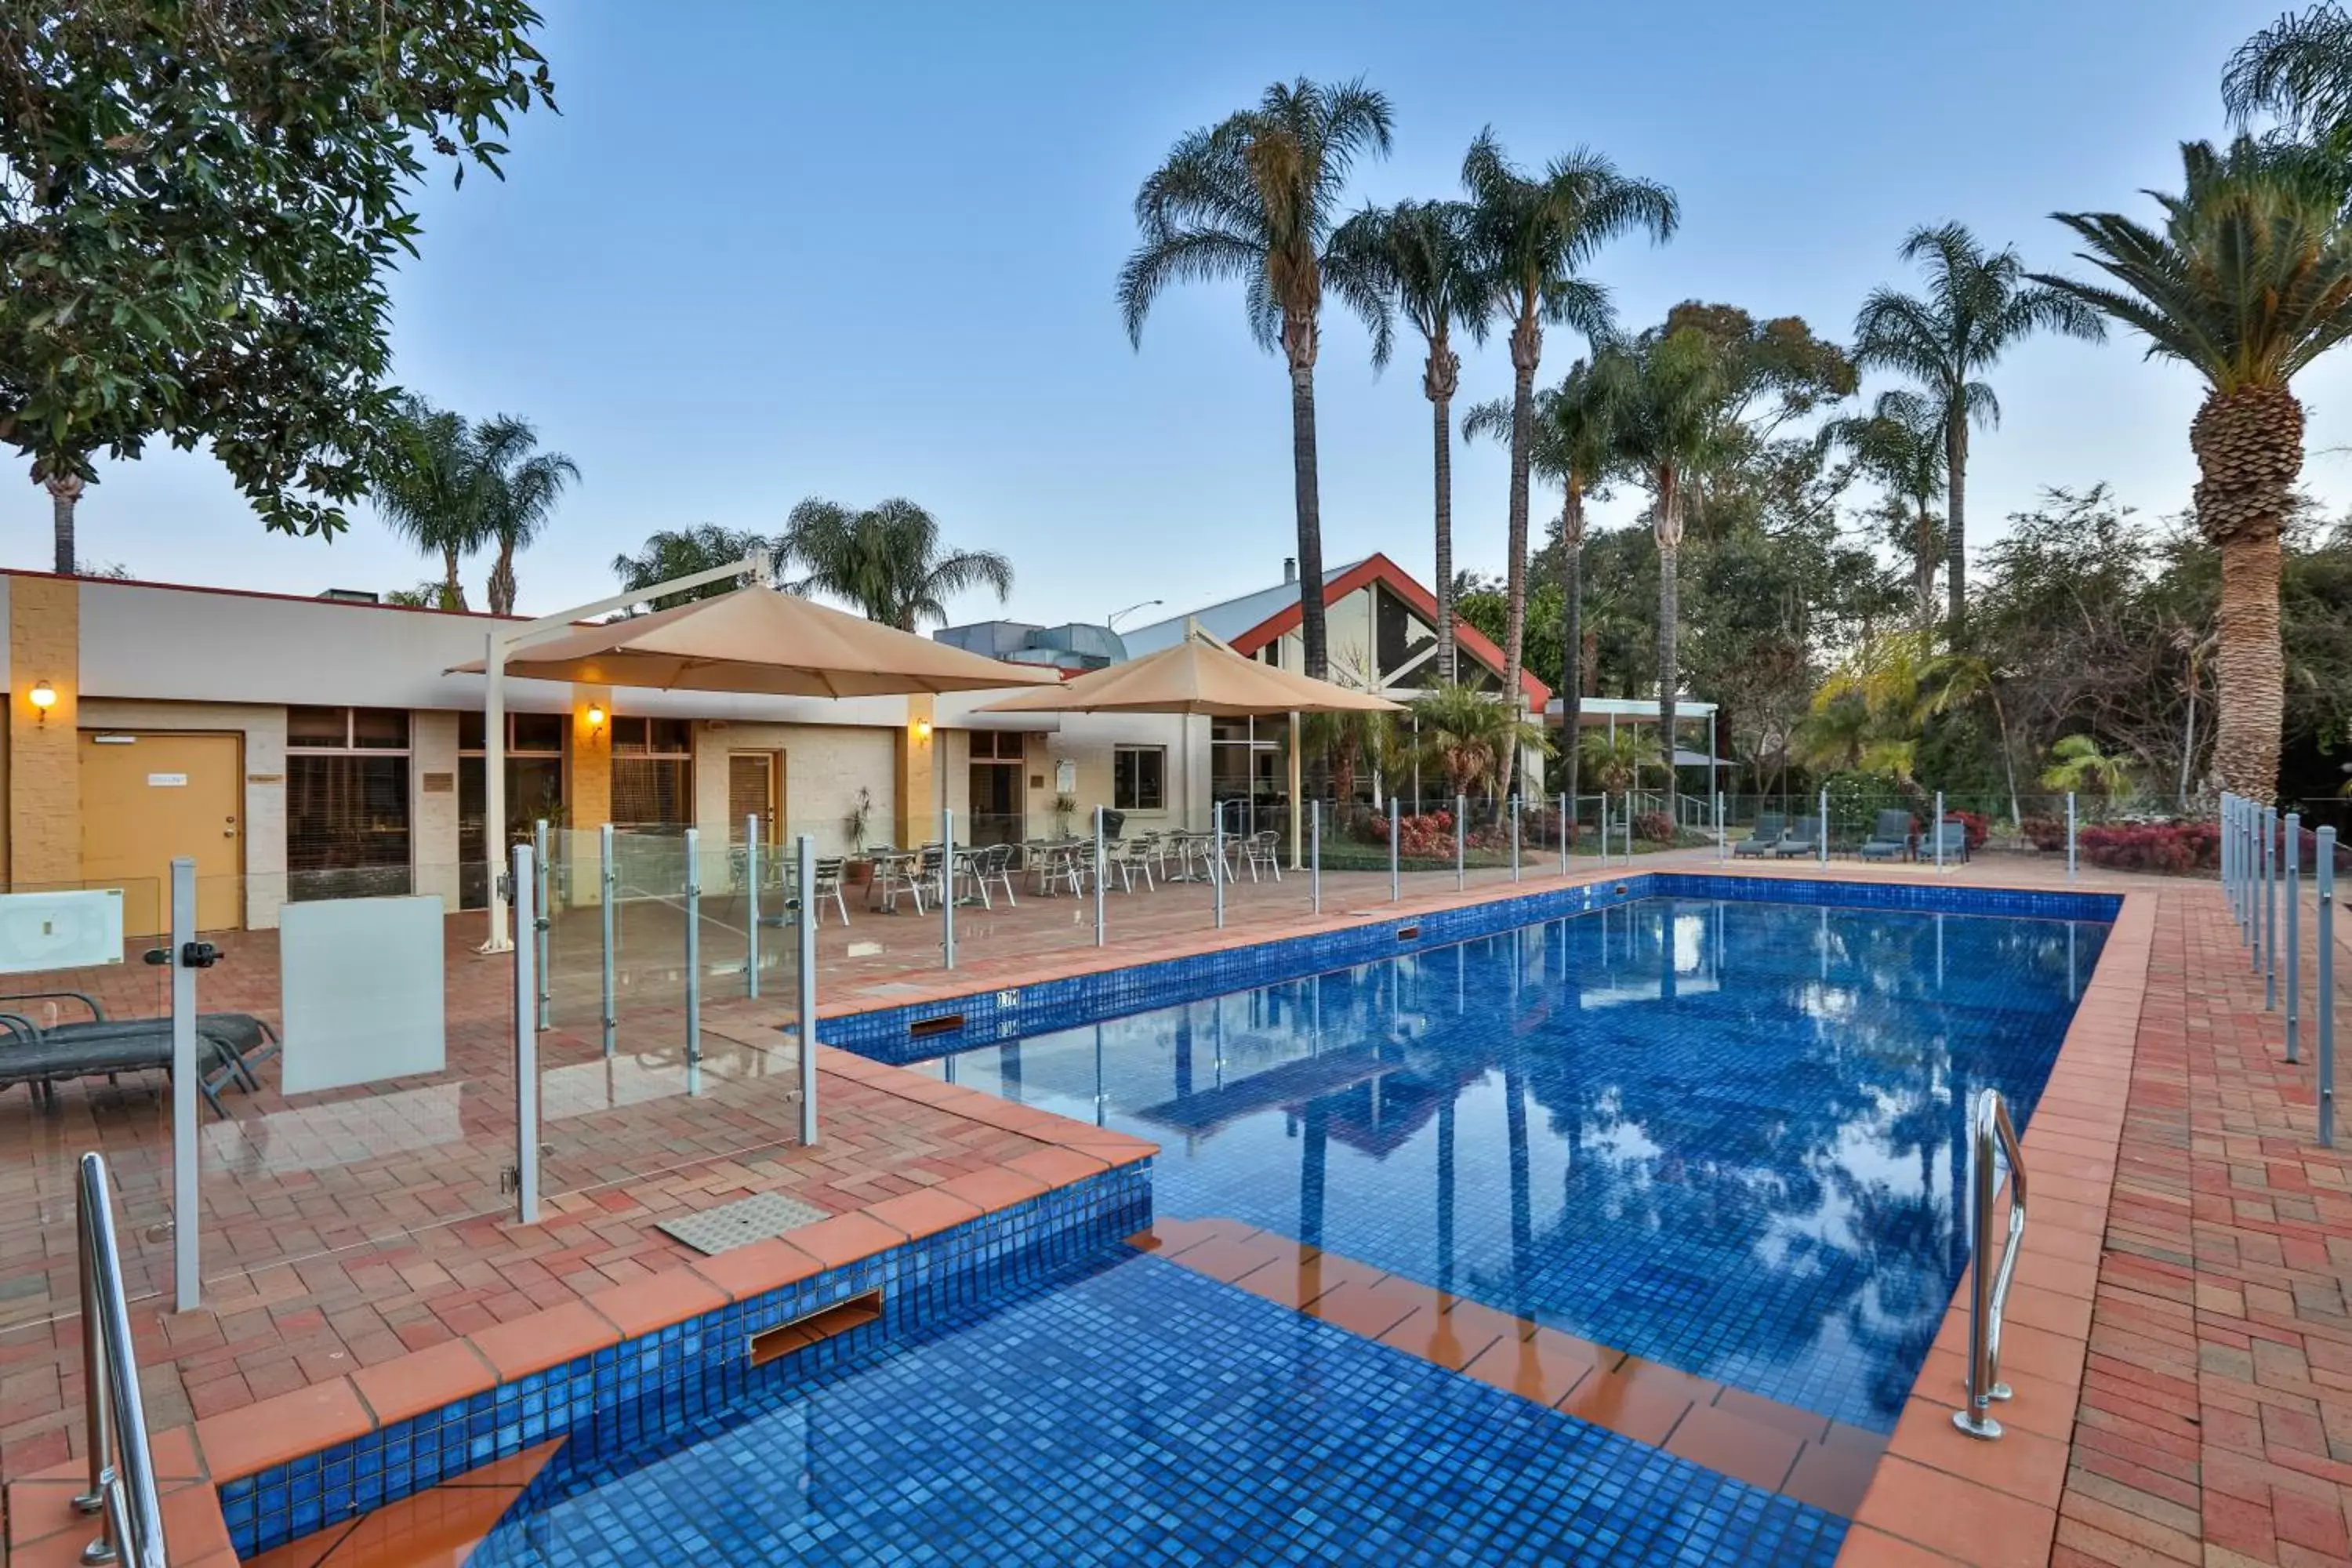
column 588, row 785
column 914, row 775
column 44, row 766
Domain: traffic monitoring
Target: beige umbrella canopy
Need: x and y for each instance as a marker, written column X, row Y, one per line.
column 760, row 640
column 1198, row 675
column 1201, row 675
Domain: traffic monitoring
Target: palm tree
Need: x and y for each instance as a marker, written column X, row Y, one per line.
column 1977, row 307
column 1665, row 397
column 681, row 552
column 2248, row 281
column 886, row 559
column 1901, row 445
column 1536, row 233
column 2078, row 766
column 1421, row 253
column 1572, row 447
column 1254, row 197
column 430, row 489
column 1470, row 735
column 2300, row 69
column 1617, row 760
column 520, row 487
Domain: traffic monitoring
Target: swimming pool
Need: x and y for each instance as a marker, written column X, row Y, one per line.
column 1677, row 1177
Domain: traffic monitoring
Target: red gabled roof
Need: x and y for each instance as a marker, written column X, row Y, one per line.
column 1379, row 569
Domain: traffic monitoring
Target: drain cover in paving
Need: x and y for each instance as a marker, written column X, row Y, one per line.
column 743, row 1222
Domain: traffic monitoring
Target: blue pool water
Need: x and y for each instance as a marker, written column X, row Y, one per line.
column 1725, row 1136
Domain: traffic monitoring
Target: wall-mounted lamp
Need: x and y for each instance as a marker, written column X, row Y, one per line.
column 923, row 729
column 43, row 698
column 595, row 721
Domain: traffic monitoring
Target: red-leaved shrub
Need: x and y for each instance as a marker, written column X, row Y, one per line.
column 2045, row 832
column 1653, row 827
column 1975, row 823
column 2176, row 848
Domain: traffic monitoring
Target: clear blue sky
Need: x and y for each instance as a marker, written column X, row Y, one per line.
column 769, row 251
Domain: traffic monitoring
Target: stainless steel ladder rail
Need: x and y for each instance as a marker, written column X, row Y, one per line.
column 122, row 1470
column 1988, row 1292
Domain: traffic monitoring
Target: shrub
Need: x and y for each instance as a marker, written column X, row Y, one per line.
column 2045, row 832
column 1974, row 821
column 1654, row 827
column 2171, row 847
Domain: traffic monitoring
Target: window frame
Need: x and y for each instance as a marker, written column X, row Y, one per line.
column 1139, row 749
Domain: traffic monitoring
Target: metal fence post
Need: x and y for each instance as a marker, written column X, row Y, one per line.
column 1938, row 831
column 1217, row 869
column 2069, row 835
column 187, row 1199
column 804, row 986
column 526, row 1044
column 2294, row 851
column 1396, row 886
column 1515, row 839
column 608, row 885
column 1100, row 869
column 1315, row 847
column 2229, row 855
column 1461, row 810
column 1605, row 828
column 1722, row 843
column 2270, row 908
column 946, row 887
column 2324, row 938
column 541, row 930
column 1567, row 822
column 1822, row 838
column 694, row 960
column 752, row 904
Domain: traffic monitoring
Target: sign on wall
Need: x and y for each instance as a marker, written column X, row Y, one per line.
column 60, row 931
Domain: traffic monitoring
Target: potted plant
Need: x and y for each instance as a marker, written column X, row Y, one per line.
column 1064, row 808
column 856, row 825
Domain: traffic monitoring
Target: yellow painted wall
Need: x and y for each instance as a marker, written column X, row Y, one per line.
column 915, row 777
column 44, row 767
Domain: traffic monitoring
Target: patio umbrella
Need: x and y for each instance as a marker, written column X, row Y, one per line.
column 1201, row 675
column 760, row 640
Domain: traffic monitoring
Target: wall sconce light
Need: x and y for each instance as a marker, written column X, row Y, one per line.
column 595, row 721
column 923, row 729
column 43, row 698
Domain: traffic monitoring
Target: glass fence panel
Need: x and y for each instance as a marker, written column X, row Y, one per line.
column 85, row 1064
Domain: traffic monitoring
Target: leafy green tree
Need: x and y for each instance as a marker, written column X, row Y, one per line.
column 1421, row 253
column 1977, row 307
column 1900, row 443
column 520, row 485
column 1620, row 762
column 1536, row 232
column 2247, row 283
column 1470, row 736
column 2078, row 766
column 887, row 559
column 682, row 553
column 1254, row 198
column 2299, row 68
column 199, row 208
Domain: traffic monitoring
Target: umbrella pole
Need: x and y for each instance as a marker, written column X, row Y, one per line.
column 1298, row 796
column 494, row 784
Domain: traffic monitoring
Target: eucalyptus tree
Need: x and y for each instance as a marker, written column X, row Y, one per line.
column 887, row 559
column 1422, row 253
column 1978, row 305
column 1254, row 198
column 520, row 485
column 1573, row 447
column 1899, row 444
column 2247, row 281
column 1537, row 232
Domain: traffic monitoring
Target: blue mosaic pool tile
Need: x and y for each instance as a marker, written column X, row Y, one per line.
column 631, row 1391
column 1128, row 1411
column 886, row 1034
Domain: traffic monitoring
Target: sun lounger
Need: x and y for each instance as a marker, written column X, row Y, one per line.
column 1805, row 838
column 1954, row 833
column 1891, row 838
column 227, row 1045
column 1760, row 842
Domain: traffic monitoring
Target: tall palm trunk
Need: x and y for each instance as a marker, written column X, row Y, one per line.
column 1571, row 640
column 1440, row 379
column 453, row 590
column 65, row 491
column 502, row 581
column 1923, row 566
column 1670, row 550
column 1956, row 535
column 2249, row 446
column 1527, row 350
column 1299, row 340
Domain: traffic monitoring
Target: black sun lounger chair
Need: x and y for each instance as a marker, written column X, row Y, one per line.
column 227, row 1045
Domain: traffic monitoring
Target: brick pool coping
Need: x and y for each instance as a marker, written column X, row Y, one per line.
column 1948, row 1494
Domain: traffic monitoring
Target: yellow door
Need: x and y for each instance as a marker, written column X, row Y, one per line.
column 148, row 797
column 755, row 781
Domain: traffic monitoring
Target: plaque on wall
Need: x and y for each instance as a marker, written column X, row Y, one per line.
column 440, row 784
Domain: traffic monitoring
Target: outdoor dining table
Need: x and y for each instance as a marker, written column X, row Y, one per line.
column 893, row 871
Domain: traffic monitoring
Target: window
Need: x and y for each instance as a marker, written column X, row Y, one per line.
column 653, row 771
column 346, row 802
column 534, row 790
column 1138, row 778
column 525, row 733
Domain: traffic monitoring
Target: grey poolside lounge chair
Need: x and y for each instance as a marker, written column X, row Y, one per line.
column 1759, row 843
column 227, row 1045
column 1954, row 836
column 1805, row 838
column 1891, row 838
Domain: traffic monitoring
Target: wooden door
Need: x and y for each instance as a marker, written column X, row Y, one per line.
column 755, row 781
column 148, row 797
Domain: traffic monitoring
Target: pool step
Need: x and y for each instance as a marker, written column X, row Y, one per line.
column 436, row 1528
column 1779, row 1447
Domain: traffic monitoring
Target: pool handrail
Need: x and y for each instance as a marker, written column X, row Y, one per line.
column 121, row 1469
column 1989, row 1293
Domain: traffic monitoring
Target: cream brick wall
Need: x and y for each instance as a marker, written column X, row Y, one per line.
column 263, row 729
column 824, row 767
column 433, row 841
column 44, row 761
